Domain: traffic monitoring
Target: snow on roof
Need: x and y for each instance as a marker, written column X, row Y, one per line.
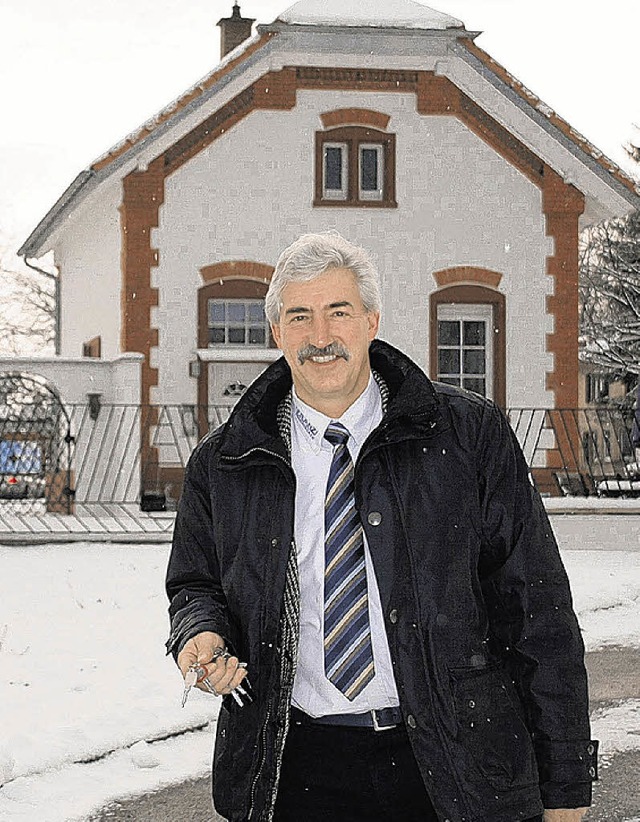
column 404, row 14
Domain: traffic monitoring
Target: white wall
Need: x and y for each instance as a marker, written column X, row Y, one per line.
column 117, row 380
column 89, row 257
column 105, row 450
column 459, row 203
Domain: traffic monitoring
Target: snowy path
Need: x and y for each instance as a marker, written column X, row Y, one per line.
column 83, row 672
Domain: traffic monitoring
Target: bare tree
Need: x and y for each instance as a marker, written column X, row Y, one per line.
column 610, row 291
column 610, row 294
column 27, row 309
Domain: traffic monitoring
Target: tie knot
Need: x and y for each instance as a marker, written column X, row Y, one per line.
column 336, row 434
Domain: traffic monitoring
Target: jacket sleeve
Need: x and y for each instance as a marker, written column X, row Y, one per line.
column 532, row 622
column 197, row 602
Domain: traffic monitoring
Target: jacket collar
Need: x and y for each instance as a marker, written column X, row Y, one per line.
column 257, row 419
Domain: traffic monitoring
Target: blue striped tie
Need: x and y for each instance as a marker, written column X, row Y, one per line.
column 348, row 654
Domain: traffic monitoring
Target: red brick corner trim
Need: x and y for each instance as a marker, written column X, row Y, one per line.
column 355, row 117
column 143, row 194
column 467, row 274
column 562, row 205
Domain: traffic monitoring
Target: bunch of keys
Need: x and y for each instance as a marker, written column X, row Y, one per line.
column 197, row 675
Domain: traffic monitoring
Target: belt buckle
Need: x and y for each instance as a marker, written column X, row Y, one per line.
column 377, row 726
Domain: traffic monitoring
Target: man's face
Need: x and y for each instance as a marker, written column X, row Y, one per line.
column 324, row 333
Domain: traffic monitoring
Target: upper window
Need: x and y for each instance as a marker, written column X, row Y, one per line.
column 355, row 166
column 237, row 322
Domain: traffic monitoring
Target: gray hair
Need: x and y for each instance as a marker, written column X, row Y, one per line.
column 313, row 254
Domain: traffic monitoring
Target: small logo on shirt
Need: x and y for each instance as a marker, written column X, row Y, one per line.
column 311, row 430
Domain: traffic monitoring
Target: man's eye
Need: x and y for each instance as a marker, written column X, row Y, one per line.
column 299, row 318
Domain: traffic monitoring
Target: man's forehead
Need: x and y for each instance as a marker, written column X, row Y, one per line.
column 328, row 289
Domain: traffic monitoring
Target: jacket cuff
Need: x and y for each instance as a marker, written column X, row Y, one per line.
column 567, row 770
column 191, row 614
column 557, row 795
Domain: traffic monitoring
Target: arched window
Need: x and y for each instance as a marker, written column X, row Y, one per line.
column 355, row 160
column 468, row 339
column 234, row 338
column 231, row 306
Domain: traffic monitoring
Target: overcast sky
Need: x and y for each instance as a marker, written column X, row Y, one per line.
column 76, row 76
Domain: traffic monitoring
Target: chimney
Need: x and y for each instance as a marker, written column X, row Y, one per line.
column 233, row 30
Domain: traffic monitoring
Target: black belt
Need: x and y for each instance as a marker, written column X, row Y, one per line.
column 379, row 720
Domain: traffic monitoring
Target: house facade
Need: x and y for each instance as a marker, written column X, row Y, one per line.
column 395, row 129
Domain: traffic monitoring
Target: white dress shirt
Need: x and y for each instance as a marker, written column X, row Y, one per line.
column 311, row 457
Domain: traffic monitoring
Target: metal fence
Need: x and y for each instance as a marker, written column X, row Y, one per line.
column 118, row 469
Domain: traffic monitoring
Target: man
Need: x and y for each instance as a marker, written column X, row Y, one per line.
column 369, row 544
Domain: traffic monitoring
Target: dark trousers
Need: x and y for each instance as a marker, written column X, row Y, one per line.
column 342, row 774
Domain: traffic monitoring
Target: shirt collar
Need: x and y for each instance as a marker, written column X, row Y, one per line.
column 356, row 419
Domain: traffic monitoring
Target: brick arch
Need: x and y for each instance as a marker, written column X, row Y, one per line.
column 237, row 269
column 467, row 274
column 355, row 117
column 474, row 294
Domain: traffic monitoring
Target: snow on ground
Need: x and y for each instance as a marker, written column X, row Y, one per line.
column 83, row 674
column 606, row 596
column 617, row 727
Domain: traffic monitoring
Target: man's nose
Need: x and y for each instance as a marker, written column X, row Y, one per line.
column 320, row 332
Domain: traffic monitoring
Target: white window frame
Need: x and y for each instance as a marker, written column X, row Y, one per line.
column 247, row 324
column 378, row 194
column 336, row 193
column 459, row 312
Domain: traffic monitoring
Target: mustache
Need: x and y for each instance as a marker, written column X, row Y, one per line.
column 334, row 349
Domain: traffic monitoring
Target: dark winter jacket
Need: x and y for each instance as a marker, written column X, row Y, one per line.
column 486, row 650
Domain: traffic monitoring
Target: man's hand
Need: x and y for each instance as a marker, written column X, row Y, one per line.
column 564, row 814
column 223, row 674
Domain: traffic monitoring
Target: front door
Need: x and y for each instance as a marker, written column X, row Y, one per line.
column 227, row 382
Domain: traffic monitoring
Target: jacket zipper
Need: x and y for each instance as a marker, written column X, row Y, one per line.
column 263, row 757
column 251, row 451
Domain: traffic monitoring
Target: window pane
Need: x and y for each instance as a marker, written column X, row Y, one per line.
column 216, row 336
column 474, row 362
column 369, row 169
column 216, row 311
column 235, row 312
column 256, row 312
column 333, row 168
column 450, row 380
column 474, row 384
column 448, row 361
column 448, row 333
column 474, row 333
column 257, row 335
column 236, row 335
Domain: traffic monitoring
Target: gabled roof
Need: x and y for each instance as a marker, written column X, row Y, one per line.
column 404, row 14
column 383, row 14
column 503, row 76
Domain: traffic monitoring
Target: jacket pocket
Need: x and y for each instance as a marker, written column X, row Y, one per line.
column 491, row 727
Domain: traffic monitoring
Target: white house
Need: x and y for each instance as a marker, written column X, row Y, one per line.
column 391, row 126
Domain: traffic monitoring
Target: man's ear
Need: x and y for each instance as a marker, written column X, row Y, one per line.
column 275, row 330
column 373, row 320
